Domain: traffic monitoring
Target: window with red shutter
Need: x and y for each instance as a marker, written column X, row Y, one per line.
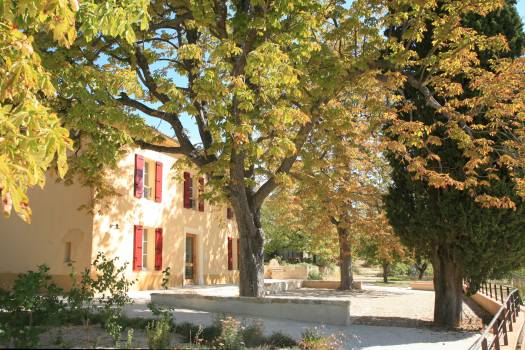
column 188, row 189
column 229, row 213
column 137, row 248
column 139, row 176
column 201, row 194
column 238, row 254
column 158, row 249
column 158, row 182
column 230, row 253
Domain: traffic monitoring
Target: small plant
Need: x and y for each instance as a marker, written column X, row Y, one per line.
column 210, row 333
column 313, row 339
column 314, row 275
column 158, row 333
column 165, row 277
column 188, row 331
column 253, row 334
column 31, row 305
column 231, row 335
column 280, row 340
column 129, row 338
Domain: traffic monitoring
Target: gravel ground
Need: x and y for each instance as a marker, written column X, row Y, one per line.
column 380, row 314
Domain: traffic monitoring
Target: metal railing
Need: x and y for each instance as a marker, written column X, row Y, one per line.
column 496, row 333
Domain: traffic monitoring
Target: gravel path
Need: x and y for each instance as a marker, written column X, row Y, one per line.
column 379, row 314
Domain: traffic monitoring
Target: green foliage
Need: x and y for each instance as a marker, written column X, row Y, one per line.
column 159, row 332
column 313, row 339
column 447, row 223
column 280, row 340
column 253, row 334
column 32, row 304
column 189, row 331
column 314, row 275
column 231, row 337
column 165, row 277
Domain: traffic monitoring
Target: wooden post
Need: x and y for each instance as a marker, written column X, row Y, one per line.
column 501, row 293
column 490, row 289
column 484, row 345
column 505, row 337
column 495, row 330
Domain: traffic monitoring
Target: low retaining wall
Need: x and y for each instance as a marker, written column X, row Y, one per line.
column 422, row 285
column 326, row 311
column 329, row 284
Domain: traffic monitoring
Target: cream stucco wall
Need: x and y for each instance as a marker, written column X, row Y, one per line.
column 210, row 227
column 56, row 220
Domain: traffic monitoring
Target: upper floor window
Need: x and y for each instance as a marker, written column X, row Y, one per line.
column 148, row 179
column 193, row 199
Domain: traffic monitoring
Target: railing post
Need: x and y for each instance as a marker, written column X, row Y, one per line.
column 490, row 289
column 508, row 314
column 501, row 293
column 495, row 330
column 505, row 337
column 484, row 345
column 508, row 291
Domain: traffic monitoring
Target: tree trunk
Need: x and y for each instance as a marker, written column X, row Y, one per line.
column 251, row 267
column 421, row 273
column 345, row 258
column 448, row 286
column 385, row 271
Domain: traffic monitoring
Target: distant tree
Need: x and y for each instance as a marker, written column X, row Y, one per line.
column 468, row 232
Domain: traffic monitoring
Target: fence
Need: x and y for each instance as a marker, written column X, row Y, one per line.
column 503, row 321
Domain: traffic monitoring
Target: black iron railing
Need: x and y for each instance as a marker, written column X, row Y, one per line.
column 496, row 333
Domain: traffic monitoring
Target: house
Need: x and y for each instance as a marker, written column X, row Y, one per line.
column 157, row 221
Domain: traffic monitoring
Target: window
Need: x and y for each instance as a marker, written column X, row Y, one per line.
column 147, row 182
column 148, row 179
column 67, row 252
column 189, row 200
column 145, row 249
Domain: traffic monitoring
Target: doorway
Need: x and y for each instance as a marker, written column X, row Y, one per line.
column 190, row 266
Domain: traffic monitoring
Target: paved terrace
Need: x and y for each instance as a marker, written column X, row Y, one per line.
column 380, row 317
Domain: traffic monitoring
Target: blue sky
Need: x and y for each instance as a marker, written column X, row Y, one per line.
column 192, row 128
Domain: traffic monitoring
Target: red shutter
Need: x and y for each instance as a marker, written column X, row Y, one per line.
column 139, row 175
column 230, row 253
column 229, row 213
column 187, row 190
column 158, row 249
column 238, row 254
column 137, row 248
column 158, row 182
column 201, row 194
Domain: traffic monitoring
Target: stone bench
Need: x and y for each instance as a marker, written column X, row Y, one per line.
column 324, row 311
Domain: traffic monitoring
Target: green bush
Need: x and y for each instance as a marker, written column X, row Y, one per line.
column 231, row 335
column 313, row 339
column 314, row 275
column 280, row 340
column 253, row 334
column 158, row 333
column 31, row 305
column 189, row 332
column 210, row 333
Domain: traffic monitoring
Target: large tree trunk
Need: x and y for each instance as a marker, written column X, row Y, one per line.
column 345, row 258
column 251, row 267
column 448, row 286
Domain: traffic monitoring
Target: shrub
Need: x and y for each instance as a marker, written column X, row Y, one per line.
column 253, row 334
column 314, row 275
column 32, row 304
column 231, row 335
column 280, row 340
column 211, row 333
column 189, row 332
column 313, row 339
column 158, row 333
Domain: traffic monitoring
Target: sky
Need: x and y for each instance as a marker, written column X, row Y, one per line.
column 192, row 128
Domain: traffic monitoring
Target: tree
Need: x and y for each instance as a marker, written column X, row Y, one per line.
column 380, row 245
column 463, row 229
column 255, row 77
